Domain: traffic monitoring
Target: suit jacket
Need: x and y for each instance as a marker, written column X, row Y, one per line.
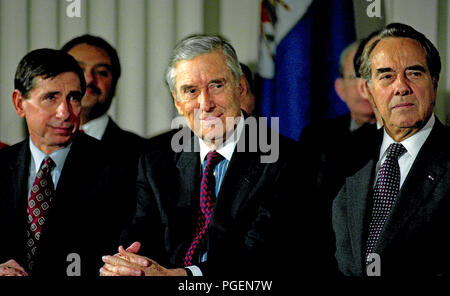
column 334, row 153
column 85, row 217
column 121, row 140
column 414, row 239
column 257, row 220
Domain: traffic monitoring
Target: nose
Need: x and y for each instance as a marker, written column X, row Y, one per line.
column 205, row 101
column 89, row 76
column 63, row 111
column 402, row 87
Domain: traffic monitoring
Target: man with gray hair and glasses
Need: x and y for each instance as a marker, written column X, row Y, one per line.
column 391, row 217
column 213, row 208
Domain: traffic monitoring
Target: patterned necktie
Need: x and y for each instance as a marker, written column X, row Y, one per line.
column 41, row 196
column 207, row 200
column 385, row 191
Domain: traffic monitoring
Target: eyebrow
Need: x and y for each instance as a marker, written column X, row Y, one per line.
column 108, row 66
column 189, row 86
column 44, row 95
column 414, row 67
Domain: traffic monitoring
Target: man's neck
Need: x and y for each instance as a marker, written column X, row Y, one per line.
column 399, row 134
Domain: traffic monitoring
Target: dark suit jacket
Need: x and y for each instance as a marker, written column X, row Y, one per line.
column 333, row 154
column 414, row 239
column 85, row 217
column 124, row 141
column 258, row 218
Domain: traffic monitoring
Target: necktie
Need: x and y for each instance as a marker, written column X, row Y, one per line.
column 385, row 191
column 207, row 200
column 41, row 196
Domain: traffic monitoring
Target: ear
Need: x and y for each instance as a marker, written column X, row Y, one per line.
column 18, row 101
column 243, row 87
column 365, row 90
column 435, row 85
column 177, row 104
column 339, row 87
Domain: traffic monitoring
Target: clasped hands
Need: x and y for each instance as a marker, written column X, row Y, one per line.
column 129, row 263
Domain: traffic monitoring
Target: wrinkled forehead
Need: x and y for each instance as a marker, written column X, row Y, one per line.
column 398, row 52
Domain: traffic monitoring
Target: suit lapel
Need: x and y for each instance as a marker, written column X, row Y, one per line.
column 19, row 173
column 243, row 169
column 188, row 166
column 360, row 204
column 425, row 173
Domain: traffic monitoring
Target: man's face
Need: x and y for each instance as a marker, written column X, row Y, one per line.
column 349, row 92
column 96, row 65
column 206, row 84
column 51, row 110
column 402, row 88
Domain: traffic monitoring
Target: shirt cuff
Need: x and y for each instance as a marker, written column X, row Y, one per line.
column 196, row 271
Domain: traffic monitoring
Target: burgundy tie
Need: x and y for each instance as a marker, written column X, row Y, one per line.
column 207, row 200
column 41, row 196
column 385, row 191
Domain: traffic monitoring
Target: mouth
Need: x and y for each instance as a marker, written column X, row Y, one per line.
column 92, row 90
column 210, row 119
column 402, row 106
column 62, row 129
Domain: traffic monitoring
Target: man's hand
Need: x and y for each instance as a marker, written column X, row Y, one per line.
column 128, row 263
column 12, row 268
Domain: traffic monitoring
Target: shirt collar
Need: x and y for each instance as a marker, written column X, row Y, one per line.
column 227, row 149
column 59, row 156
column 96, row 127
column 411, row 144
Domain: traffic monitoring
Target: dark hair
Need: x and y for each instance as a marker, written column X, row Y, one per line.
column 103, row 44
column 403, row 31
column 359, row 51
column 48, row 63
column 248, row 75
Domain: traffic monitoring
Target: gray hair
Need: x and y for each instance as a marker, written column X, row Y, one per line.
column 196, row 45
column 398, row 30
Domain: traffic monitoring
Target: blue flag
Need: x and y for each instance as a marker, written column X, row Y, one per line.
column 299, row 60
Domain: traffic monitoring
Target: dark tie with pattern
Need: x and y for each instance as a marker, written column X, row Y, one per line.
column 207, row 200
column 41, row 196
column 384, row 193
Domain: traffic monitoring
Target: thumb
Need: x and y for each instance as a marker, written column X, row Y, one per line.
column 134, row 247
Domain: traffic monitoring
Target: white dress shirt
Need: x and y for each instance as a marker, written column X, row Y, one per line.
column 412, row 144
column 96, row 127
column 37, row 156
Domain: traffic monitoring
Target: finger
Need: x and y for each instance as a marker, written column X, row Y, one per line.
column 105, row 272
column 10, row 271
column 13, row 263
column 134, row 258
column 122, row 270
column 134, row 247
column 118, row 261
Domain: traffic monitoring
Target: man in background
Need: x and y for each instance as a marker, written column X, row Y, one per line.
column 101, row 67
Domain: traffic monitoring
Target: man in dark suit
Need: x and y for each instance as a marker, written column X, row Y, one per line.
column 58, row 188
column 2, row 145
column 255, row 210
column 391, row 216
column 101, row 67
